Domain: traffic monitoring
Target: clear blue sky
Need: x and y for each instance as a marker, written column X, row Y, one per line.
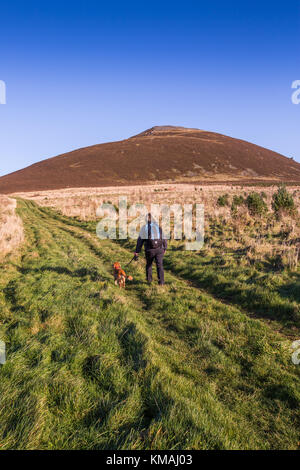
column 85, row 72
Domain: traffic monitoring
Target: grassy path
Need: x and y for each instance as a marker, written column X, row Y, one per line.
column 93, row 367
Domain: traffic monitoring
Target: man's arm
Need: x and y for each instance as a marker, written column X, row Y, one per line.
column 139, row 245
column 164, row 241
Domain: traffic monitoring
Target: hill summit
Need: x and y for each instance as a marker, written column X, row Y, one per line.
column 166, row 154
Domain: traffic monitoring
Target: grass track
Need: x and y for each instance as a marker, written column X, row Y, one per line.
column 93, row 367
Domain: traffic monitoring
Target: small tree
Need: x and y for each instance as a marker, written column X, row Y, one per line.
column 256, row 205
column 223, row 200
column 283, row 202
column 236, row 202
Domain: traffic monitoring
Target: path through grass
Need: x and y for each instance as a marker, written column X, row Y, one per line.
column 93, row 367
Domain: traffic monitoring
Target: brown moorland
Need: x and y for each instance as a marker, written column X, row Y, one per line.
column 164, row 154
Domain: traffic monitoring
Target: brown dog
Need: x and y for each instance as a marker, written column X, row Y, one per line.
column 120, row 275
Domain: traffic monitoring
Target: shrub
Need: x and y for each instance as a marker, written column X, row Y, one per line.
column 223, row 200
column 282, row 201
column 256, row 205
column 236, row 202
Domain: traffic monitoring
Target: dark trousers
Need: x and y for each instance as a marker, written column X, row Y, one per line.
column 157, row 255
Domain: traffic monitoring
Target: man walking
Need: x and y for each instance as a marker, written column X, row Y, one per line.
column 155, row 247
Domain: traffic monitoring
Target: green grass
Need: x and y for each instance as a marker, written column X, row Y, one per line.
column 90, row 366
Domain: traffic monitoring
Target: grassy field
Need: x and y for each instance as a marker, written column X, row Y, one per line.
column 201, row 363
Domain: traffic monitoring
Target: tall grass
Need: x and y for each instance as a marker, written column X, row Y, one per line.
column 11, row 228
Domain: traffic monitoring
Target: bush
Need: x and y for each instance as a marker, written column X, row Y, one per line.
column 282, row 201
column 223, row 200
column 256, row 205
column 236, row 202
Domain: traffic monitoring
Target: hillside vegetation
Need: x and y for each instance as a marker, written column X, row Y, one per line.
column 164, row 154
column 11, row 228
column 202, row 363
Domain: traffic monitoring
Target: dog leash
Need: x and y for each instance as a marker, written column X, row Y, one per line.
column 134, row 258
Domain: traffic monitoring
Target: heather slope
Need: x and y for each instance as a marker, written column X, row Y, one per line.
column 163, row 154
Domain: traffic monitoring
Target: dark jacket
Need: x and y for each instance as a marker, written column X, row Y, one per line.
column 145, row 237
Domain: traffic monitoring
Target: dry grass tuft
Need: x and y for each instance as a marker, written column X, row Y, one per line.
column 11, row 227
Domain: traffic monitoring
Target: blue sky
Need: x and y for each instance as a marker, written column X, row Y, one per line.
column 85, row 72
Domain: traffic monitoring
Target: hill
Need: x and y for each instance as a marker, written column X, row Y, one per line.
column 160, row 154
